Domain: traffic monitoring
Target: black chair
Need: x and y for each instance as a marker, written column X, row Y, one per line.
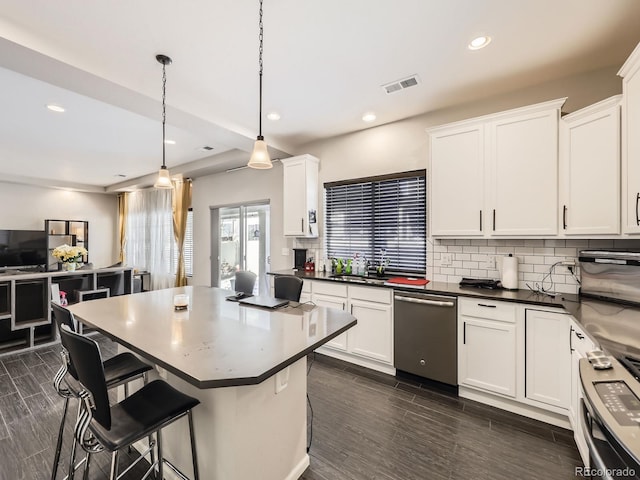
column 118, row 370
column 112, row 428
column 245, row 281
column 287, row 287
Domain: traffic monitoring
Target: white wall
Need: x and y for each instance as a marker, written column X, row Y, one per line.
column 26, row 207
column 241, row 186
column 394, row 147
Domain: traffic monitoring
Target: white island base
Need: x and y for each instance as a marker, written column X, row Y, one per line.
column 243, row 433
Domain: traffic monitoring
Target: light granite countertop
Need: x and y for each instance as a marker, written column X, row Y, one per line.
column 216, row 342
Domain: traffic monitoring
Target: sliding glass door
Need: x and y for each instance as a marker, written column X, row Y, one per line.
column 240, row 241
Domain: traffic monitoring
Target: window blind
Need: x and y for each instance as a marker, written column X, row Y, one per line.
column 369, row 215
column 188, row 245
column 188, row 248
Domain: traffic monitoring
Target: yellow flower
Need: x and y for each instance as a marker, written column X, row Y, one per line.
column 68, row 253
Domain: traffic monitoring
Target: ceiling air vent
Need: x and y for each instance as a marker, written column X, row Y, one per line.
column 398, row 85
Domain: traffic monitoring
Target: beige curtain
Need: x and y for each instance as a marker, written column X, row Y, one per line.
column 181, row 203
column 122, row 222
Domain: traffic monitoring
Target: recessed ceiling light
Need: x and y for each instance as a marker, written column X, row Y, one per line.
column 274, row 116
column 479, row 42
column 170, row 142
column 55, row 108
column 369, row 117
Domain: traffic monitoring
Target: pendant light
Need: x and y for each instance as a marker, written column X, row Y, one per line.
column 260, row 156
column 164, row 180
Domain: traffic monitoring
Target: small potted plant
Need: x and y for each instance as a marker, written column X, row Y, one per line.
column 69, row 255
column 383, row 263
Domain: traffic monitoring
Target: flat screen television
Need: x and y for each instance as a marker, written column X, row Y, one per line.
column 23, row 248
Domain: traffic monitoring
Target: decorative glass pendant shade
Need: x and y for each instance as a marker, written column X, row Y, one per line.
column 164, row 180
column 260, row 157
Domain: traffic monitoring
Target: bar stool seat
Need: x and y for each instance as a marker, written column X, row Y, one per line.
column 142, row 413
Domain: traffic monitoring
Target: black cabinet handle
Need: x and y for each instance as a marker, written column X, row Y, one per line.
column 637, row 216
column 564, row 217
column 464, row 333
column 302, row 225
column 486, row 306
column 494, row 219
column 480, row 220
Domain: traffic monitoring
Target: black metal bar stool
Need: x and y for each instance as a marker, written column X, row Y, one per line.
column 245, row 281
column 288, row 287
column 112, row 428
column 118, row 370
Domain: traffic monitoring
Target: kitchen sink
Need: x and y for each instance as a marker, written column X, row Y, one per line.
column 359, row 279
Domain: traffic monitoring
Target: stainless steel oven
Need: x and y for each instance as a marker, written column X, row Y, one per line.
column 610, row 415
column 610, row 312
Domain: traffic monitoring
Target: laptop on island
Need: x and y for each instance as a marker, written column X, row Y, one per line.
column 264, row 301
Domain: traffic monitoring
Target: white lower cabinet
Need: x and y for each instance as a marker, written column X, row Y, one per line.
column 371, row 338
column 487, row 348
column 516, row 357
column 370, row 342
column 332, row 295
column 547, row 358
column 580, row 344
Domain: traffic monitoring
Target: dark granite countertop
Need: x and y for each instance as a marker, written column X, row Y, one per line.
column 566, row 301
column 615, row 328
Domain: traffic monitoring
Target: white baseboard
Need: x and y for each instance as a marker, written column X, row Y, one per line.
column 514, row 406
column 357, row 360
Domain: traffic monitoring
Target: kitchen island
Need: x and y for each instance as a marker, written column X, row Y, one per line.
column 247, row 366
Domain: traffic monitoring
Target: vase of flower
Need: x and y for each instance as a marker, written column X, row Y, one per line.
column 69, row 266
column 70, row 256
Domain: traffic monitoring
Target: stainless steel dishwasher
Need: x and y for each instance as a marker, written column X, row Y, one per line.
column 425, row 336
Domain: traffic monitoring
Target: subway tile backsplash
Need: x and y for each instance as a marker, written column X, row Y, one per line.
column 475, row 258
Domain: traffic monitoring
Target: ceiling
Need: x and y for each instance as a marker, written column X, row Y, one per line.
column 324, row 65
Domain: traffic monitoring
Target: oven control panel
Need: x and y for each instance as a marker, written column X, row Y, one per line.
column 620, row 401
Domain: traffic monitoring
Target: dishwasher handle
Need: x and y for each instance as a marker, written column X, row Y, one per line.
column 423, row 301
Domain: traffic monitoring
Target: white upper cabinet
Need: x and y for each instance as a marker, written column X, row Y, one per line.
column 496, row 175
column 590, row 169
column 523, row 162
column 300, row 196
column 457, row 180
column 630, row 73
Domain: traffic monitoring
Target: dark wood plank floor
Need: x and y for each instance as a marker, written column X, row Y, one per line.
column 366, row 426
column 374, row 426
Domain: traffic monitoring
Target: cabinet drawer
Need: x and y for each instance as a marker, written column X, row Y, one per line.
column 330, row 288
column 482, row 308
column 370, row 294
column 306, row 286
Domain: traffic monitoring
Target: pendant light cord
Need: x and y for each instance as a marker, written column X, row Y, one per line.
column 260, row 63
column 164, row 108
